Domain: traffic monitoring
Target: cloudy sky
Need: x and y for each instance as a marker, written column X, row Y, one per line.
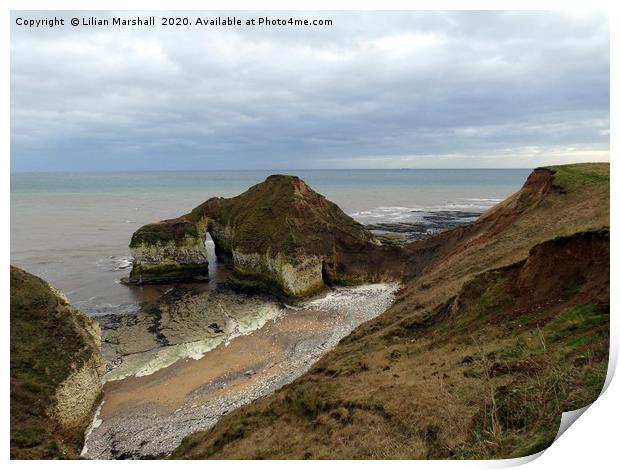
column 375, row 90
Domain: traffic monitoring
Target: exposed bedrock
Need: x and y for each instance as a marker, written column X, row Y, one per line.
column 278, row 234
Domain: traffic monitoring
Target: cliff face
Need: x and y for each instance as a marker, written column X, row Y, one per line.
column 279, row 233
column 500, row 326
column 56, row 370
column 169, row 251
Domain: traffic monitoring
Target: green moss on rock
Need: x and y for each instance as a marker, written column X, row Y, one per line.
column 175, row 230
column 169, row 251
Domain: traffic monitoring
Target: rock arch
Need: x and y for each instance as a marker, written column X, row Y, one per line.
column 279, row 233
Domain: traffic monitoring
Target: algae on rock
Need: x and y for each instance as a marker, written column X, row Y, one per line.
column 169, row 251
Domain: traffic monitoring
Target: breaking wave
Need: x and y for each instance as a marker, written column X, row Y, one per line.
column 115, row 263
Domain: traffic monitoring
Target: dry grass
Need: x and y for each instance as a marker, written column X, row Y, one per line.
column 466, row 364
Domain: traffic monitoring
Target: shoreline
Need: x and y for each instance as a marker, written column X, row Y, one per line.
column 147, row 416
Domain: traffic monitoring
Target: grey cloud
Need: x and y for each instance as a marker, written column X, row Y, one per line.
column 376, row 89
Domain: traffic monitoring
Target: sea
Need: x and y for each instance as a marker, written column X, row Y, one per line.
column 73, row 229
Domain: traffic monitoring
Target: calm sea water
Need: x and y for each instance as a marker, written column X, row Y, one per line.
column 72, row 229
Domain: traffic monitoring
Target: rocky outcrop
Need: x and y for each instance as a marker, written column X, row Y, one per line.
column 169, row 251
column 56, row 370
column 280, row 234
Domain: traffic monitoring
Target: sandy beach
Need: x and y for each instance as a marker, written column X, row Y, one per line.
column 147, row 416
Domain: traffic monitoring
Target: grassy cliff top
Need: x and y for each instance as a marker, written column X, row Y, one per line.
column 575, row 175
column 283, row 214
column 47, row 343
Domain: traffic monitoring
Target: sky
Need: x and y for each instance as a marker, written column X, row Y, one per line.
column 373, row 90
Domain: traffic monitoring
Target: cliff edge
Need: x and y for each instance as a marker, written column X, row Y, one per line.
column 56, row 370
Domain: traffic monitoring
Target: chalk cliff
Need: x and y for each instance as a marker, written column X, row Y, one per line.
column 56, row 370
column 169, row 251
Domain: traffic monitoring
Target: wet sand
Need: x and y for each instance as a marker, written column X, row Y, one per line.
column 147, row 416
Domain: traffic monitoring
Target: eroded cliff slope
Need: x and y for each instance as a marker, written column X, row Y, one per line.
column 56, row 369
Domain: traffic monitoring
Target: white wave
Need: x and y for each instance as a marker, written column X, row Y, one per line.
column 115, row 263
column 97, row 310
column 463, row 207
column 388, row 214
column 416, row 214
column 482, row 199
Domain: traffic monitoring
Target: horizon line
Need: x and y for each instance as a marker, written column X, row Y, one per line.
column 269, row 170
